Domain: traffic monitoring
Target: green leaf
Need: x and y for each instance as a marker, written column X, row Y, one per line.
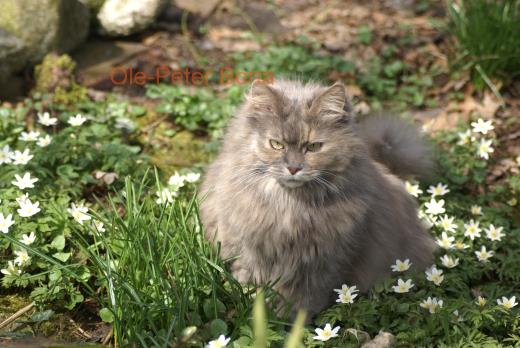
column 106, row 315
column 38, row 317
column 58, row 242
column 62, row 256
column 218, row 327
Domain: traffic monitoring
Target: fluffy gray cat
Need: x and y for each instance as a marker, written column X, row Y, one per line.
column 302, row 194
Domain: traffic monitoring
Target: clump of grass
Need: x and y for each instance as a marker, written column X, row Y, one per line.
column 488, row 32
column 158, row 276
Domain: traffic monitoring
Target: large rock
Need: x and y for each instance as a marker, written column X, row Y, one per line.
column 125, row 17
column 30, row 29
column 12, row 53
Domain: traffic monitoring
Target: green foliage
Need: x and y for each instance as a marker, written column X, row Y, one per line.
column 388, row 78
column 65, row 170
column 292, row 60
column 384, row 79
column 159, row 283
column 158, row 275
column 488, row 33
column 196, row 110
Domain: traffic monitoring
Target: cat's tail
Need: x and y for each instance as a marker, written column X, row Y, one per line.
column 398, row 145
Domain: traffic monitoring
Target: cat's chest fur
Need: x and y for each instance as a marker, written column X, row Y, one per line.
column 286, row 234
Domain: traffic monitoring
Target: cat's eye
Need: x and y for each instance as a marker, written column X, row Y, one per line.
column 313, row 147
column 276, row 144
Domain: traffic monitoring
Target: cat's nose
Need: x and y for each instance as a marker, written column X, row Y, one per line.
column 293, row 170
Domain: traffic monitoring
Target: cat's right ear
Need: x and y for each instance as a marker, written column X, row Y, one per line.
column 332, row 104
column 263, row 98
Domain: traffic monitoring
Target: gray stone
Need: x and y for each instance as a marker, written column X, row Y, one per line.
column 125, row 17
column 31, row 29
column 12, row 54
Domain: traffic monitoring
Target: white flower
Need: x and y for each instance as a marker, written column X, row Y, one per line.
column 494, row 233
column 27, row 208
column 481, row 301
column 46, row 119
column 439, row 190
column 445, row 241
column 99, row 226
column 77, row 120
column 412, row 189
column 484, row 148
column 482, row 126
column 192, row 177
column 401, row 266
column 24, row 182
column 507, row 303
column 44, row 141
column 79, row 213
column 483, row 255
column 220, row 342
column 11, row 269
column 22, row 198
column 21, row 257
column 327, row 333
column 346, row 294
column 31, row 136
column 346, row 298
column 459, row 317
column 449, row 262
column 176, row 181
column 345, row 289
column 447, row 224
column 434, row 275
column 28, row 239
column 465, row 137
column 6, row 222
column 5, row 155
column 165, row 196
column 459, row 245
column 435, row 207
column 472, row 230
column 476, row 210
column 402, row 286
column 21, row 158
column 433, row 305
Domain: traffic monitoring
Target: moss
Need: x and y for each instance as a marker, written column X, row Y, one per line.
column 54, row 71
column 56, row 75
column 10, row 304
column 70, row 97
column 184, row 150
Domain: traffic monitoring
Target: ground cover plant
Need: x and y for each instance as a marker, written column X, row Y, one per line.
column 90, row 227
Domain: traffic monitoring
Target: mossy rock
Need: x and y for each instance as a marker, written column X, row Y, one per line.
column 43, row 26
column 56, row 75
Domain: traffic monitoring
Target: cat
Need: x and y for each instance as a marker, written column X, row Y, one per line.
column 301, row 194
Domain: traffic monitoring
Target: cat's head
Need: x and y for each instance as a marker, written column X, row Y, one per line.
column 301, row 132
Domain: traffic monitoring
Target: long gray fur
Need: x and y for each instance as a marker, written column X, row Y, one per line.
column 343, row 219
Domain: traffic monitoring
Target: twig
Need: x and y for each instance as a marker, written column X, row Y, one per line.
column 16, row 315
column 108, row 336
column 80, row 330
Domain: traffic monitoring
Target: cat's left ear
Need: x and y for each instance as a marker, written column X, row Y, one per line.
column 332, row 104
